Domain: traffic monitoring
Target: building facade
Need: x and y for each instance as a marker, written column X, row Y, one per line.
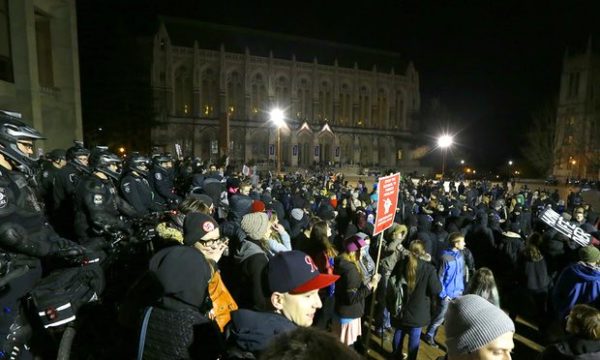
column 39, row 67
column 577, row 137
column 215, row 85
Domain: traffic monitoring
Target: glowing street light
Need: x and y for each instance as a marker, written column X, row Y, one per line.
column 462, row 162
column 444, row 142
column 277, row 116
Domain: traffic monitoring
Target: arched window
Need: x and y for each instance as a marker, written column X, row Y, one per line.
column 183, row 91
column 382, row 109
column 208, row 93
column 398, row 122
column 282, row 92
column 235, row 95
column 304, row 100
column 258, row 97
column 325, row 103
column 345, row 105
column 363, row 107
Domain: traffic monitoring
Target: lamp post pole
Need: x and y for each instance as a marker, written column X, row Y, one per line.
column 278, row 150
column 444, row 142
column 278, row 118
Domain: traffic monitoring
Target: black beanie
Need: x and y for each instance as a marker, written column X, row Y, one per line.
column 195, row 226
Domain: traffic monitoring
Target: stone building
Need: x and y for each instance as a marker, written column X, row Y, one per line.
column 214, row 86
column 577, row 138
column 39, row 67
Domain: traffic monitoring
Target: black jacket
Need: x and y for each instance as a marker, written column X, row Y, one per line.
column 572, row 348
column 416, row 311
column 250, row 332
column 350, row 292
column 137, row 192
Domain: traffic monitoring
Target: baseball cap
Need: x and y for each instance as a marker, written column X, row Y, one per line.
column 295, row 272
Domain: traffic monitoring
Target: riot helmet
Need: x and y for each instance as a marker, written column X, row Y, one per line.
column 78, row 156
column 106, row 162
column 138, row 163
column 16, row 142
column 164, row 161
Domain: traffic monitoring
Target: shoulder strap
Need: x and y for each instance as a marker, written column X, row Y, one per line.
column 147, row 313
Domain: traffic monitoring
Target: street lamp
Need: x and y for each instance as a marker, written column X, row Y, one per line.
column 277, row 117
column 510, row 164
column 444, row 142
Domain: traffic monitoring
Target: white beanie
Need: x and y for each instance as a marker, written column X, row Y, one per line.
column 472, row 322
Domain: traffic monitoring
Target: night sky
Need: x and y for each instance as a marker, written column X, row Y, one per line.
column 491, row 63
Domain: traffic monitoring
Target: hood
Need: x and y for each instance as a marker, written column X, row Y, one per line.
column 252, row 331
column 424, row 222
column 481, row 218
column 183, row 273
column 586, row 272
column 239, row 246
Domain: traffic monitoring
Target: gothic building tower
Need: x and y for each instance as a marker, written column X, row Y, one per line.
column 577, row 138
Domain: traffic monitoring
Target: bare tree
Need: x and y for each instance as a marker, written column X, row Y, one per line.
column 539, row 149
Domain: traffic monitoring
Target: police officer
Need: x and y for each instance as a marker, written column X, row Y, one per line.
column 25, row 236
column 64, row 189
column 162, row 180
column 135, row 188
column 98, row 206
column 56, row 160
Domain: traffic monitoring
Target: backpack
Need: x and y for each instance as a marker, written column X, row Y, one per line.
column 396, row 295
column 58, row 297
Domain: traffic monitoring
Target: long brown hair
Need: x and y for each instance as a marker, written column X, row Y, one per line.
column 416, row 251
column 319, row 241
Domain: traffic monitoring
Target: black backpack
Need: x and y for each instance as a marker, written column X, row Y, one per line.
column 58, row 297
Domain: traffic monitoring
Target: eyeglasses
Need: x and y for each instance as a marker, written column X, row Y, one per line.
column 214, row 242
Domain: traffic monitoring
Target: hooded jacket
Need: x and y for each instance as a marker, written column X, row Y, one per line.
column 250, row 332
column 177, row 328
column 244, row 278
column 577, row 284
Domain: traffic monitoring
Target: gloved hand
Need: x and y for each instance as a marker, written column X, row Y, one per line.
column 15, row 237
column 64, row 248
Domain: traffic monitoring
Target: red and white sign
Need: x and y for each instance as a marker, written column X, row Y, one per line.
column 387, row 201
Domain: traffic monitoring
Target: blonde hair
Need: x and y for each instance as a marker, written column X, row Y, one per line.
column 416, row 250
column 353, row 258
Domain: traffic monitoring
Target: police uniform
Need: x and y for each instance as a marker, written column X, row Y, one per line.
column 65, row 183
column 137, row 192
column 97, row 205
column 163, row 186
column 25, row 236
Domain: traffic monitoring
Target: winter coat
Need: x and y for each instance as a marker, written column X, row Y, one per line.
column 239, row 205
column 577, row 284
column 451, row 274
column 250, row 332
column 572, row 348
column 416, row 309
column 243, row 273
column 350, row 291
column 181, row 333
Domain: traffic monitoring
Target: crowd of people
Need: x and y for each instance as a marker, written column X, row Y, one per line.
column 188, row 260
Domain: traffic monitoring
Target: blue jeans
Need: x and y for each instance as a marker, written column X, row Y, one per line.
column 438, row 320
column 414, row 338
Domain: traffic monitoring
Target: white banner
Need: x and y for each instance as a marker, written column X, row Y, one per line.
column 565, row 227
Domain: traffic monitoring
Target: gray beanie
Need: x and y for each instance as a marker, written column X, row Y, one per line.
column 255, row 225
column 472, row 322
column 297, row 214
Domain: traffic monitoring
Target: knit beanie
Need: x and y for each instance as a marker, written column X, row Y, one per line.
column 257, row 206
column 195, row 226
column 255, row 225
column 472, row 322
column 297, row 214
column 589, row 254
